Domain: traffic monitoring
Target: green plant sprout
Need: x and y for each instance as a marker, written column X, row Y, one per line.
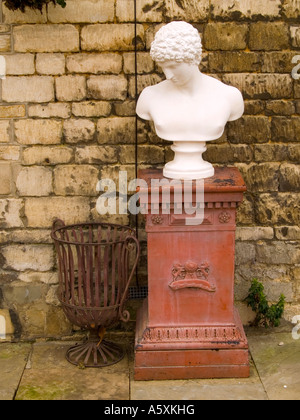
column 33, row 4
column 266, row 314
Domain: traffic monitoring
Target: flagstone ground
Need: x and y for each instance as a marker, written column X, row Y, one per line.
column 39, row 371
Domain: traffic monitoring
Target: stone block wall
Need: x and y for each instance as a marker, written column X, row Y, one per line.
column 67, row 118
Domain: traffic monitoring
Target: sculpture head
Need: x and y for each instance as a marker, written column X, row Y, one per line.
column 179, row 42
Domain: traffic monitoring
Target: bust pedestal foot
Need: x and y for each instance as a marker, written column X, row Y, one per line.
column 188, row 163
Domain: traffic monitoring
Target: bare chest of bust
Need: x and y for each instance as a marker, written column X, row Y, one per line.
column 190, row 119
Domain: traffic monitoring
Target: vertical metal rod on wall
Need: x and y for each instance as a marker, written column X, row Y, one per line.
column 136, row 119
column 136, row 87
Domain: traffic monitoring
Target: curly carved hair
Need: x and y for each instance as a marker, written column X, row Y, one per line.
column 177, row 41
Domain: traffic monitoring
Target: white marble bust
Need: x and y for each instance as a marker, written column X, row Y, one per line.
column 189, row 107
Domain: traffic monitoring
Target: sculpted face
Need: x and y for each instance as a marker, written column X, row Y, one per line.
column 178, row 73
column 177, row 49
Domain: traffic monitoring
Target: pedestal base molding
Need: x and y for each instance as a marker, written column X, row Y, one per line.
column 204, row 351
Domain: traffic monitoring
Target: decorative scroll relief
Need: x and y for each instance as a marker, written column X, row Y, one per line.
column 192, row 275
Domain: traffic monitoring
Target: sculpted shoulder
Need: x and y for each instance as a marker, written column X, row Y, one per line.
column 148, row 96
column 233, row 96
column 237, row 103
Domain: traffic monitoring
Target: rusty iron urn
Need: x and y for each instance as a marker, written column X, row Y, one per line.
column 94, row 277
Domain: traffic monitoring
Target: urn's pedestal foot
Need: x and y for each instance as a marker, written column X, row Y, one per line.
column 95, row 354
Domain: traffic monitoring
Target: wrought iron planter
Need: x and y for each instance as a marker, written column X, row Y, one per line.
column 94, row 276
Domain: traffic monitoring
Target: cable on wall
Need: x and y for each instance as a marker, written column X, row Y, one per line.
column 136, row 86
column 136, row 118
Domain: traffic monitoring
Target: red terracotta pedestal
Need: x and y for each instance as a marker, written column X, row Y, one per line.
column 188, row 327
